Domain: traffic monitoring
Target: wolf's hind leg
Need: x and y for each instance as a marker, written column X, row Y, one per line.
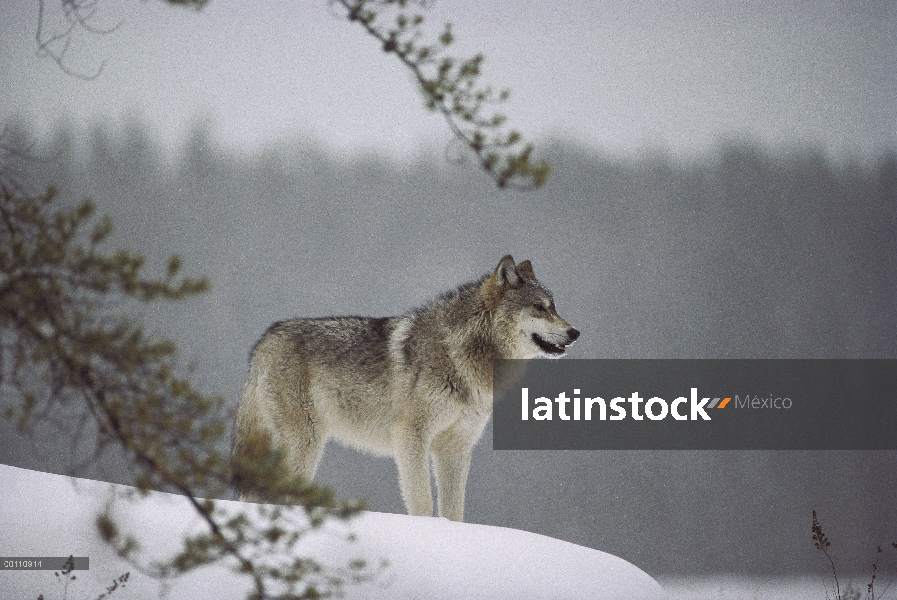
column 303, row 452
column 300, row 451
column 284, row 414
column 451, row 458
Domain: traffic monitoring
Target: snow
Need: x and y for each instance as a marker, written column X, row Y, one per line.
column 734, row 587
column 52, row 515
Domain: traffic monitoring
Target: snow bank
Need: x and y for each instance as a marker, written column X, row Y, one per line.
column 52, row 515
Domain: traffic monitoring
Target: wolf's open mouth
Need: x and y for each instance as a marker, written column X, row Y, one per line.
column 548, row 347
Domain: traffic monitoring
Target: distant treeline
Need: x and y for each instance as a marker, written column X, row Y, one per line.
column 744, row 253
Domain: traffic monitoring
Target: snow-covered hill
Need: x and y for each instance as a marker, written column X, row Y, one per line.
column 51, row 515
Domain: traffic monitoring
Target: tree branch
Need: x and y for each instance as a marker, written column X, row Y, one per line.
column 450, row 87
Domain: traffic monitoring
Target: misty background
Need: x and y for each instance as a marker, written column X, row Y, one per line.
column 624, row 77
column 724, row 185
column 742, row 254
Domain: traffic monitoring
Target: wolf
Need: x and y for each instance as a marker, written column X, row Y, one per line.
column 412, row 387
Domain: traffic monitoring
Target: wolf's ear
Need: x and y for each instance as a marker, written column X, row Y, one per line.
column 506, row 273
column 526, row 269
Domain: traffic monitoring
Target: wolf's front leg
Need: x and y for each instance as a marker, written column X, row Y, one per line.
column 414, row 472
column 452, row 462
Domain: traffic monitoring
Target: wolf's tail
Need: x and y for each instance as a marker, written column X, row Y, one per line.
column 244, row 440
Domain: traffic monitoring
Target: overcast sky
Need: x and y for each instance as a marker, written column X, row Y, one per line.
column 619, row 76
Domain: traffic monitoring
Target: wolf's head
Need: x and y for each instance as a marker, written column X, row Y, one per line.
column 525, row 316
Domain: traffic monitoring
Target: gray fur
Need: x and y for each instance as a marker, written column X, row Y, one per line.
column 410, row 387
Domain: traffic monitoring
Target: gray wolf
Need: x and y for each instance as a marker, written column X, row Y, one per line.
column 410, row 387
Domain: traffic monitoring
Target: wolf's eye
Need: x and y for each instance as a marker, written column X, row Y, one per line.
column 539, row 308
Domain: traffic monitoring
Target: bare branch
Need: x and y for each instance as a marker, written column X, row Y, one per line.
column 77, row 16
column 450, row 86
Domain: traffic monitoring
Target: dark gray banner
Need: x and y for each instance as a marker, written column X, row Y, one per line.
column 44, row 563
column 695, row 405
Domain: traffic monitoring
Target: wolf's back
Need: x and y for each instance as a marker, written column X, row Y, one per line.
column 358, row 345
